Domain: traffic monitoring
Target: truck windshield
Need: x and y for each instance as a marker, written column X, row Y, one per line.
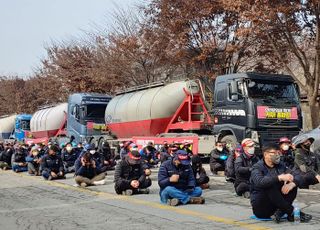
column 25, row 124
column 261, row 89
column 95, row 111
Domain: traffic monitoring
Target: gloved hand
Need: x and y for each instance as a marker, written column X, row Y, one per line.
column 223, row 157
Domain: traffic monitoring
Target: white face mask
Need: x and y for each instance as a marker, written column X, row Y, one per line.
column 220, row 149
column 285, row 147
column 250, row 151
column 92, row 151
column 69, row 149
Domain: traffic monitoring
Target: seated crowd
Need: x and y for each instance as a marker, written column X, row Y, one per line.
column 269, row 179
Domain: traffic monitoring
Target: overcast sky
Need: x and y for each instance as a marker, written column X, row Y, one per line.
column 27, row 25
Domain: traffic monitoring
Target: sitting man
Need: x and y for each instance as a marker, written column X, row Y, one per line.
column 307, row 163
column 177, row 182
column 87, row 173
column 273, row 187
column 131, row 175
column 218, row 158
column 18, row 162
column 34, row 160
column 243, row 166
column 51, row 165
column 286, row 152
column 69, row 155
column 199, row 172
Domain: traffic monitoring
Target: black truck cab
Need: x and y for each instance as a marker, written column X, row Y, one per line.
column 263, row 107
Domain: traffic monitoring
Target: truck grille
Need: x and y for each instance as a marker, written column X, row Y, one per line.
column 273, row 136
column 273, row 123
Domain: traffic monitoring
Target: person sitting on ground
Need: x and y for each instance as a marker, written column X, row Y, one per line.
column 165, row 147
column 177, row 182
column 229, row 170
column 34, row 161
column 148, row 155
column 307, row 163
column 6, row 157
column 286, row 152
column 88, row 174
column 131, row 175
column 18, row 162
column 218, row 157
column 187, row 146
column 69, row 155
column 51, row 165
column 274, row 187
column 164, row 156
column 199, row 172
column 243, row 167
column 108, row 157
column 125, row 149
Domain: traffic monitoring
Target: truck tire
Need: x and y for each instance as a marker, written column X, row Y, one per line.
column 230, row 139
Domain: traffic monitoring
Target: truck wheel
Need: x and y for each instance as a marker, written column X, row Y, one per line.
column 230, row 140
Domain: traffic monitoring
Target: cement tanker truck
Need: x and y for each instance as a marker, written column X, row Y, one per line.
column 47, row 122
column 7, row 126
column 81, row 120
column 162, row 112
column 263, row 107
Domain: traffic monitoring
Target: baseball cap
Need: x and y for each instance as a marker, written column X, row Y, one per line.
column 247, row 142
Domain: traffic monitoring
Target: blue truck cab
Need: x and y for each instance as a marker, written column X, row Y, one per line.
column 85, row 120
column 21, row 126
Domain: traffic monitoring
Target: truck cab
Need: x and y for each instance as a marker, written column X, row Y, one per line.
column 22, row 125
column 263, row 107
column 85, row 118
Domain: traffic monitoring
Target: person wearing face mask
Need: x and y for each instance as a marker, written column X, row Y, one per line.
column 218, row 158
column 69, row 155
column 177, row 182
column 243, row 166
column 131, row 176
column 274, row 187
column 51, row 165
column 199, row 172
column 286, row 152
column 307, row 163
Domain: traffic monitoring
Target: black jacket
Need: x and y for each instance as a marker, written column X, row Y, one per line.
column 6, row 155
column 306, row 161
column 215, row 156
column 263, row 178
column 125, row 172
column 243, row 166
column 52, row 163
column 69, row 158
column 186, row 177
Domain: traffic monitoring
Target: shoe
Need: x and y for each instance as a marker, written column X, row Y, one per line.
column 83, row 185
column 173, row 202
column 100, row 182
column 143, row 191
column 246, row 194
column 304, row 217
column 290, row 218
column 197, row 200
column 277, row 216
column 127, row 192
column 50, row 178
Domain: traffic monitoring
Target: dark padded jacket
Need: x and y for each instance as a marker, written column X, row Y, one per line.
column 125, row 172
column 186, row 177
column 262, row 178
column 306, row 161
column 243, row 167
column 52, row 163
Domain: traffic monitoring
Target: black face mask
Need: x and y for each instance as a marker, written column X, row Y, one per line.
column 307, row 146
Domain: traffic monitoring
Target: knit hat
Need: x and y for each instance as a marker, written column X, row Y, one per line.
column 247, row 142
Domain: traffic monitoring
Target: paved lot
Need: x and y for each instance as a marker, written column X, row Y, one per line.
column 28, row 202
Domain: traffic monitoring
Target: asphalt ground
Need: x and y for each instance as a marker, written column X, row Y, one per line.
column 29, row 202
